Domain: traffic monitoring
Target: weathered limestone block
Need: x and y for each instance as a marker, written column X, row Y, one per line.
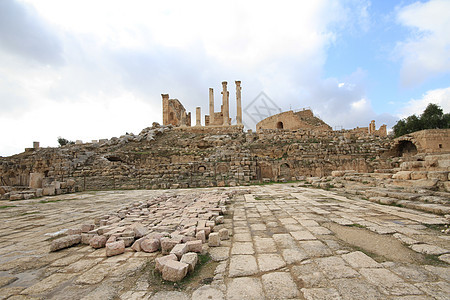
column 137, row 244
column 419, row 175
column 65, row 242
column 214, row 239
column 150, row 245
column 86, row 237
column 224, row 234
column 442, row 176
column 115, row 248
column 174, row 270
column 15, row 196
column 195, row 246
column 139, row 230
column 191, row 259
column 200, row 235
column 161, row 261
column 72, row 231
column 98, row 241
column 337, row 173
column 219, row 220
column 36, row 180
column 70, row 183
column 167, row 245
column 206, row 229
column 179, row 250
column 87, row 227
column 49, row 191
column 402, row 175
column 128, row 240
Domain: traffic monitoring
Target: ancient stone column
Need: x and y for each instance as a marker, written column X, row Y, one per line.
column 35, row 145
column 183, row 118
column 165, row 107
column 211, row 106
column 225, row 107
column 238, row 103
column 198, row 116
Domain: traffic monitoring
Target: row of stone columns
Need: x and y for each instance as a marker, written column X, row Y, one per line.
column 225, row 106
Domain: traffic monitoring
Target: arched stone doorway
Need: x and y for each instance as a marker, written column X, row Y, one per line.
column 280, row 125
column 405, row 148
column 285, row 171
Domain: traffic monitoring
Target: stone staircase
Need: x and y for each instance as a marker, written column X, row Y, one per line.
column 422, row 182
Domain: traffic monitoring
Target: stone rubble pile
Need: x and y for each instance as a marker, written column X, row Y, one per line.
column 178, row 226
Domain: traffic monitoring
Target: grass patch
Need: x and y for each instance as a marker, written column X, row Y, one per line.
column 437, row 227
column 6, row 206
column 202, row 274
column 430, row 259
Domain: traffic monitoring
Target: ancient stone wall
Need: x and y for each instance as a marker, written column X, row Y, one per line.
column 291, row 120
column 178, row 158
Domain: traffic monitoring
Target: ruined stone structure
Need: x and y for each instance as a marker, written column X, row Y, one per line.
column 174, row 112
column 290, row 120
column 287, row 146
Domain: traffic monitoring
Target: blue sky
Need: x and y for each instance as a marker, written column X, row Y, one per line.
column 92, row 69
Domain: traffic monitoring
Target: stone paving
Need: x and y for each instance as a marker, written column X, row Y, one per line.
column 288, row 242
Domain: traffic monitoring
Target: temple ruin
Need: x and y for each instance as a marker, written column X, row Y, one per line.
column 175, row 114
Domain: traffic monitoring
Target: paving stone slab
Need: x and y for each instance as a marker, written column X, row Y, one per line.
column 219, row 253
column 242, row 248
column 321, row 294
column 207, row 292
column 388, row 282
column 315, row 248
column 439, row 290
column 358, row 259
column 265, row 245
column 270, row 262
column 356, row 289
column 279, row 285
column 242, row 265
column 245, row 288
column 302, row 235
column 335, row 267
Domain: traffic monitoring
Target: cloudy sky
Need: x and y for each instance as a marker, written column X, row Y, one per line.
column 91, row 69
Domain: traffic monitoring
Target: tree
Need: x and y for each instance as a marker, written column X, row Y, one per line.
column 433, row 117
column 63, row 141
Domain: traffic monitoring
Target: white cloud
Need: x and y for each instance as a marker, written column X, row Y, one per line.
column 427, row 52
column 112, row 59
column 440, row 97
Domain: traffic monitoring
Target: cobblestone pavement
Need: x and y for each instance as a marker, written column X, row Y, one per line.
column 288, row 242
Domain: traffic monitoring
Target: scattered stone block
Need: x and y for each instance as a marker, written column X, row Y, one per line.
column 174, row 270
column 150, row 245
column 224, row 234
column 214, row 239
column 115, row 248
column 194, row 246
column 206, row 229
column 219, row 220
column 98, row 241
column 87, row 227
column 127, row 240
column 200, row 235
column 190, row 258
column 139, row 230
column 167, row 245
column 65, row 242
column 86, row 237
column 179, row 250
column 161, row 261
